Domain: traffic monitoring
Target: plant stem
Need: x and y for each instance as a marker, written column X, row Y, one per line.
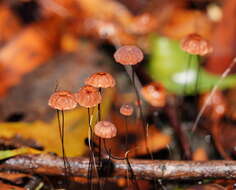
column 140, row 110
column 61, row 133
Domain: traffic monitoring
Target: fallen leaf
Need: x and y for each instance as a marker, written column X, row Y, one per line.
column 20, row 55
column 47, row 134
column 4, row 154
column 4, row 186
column 16, row 178
column 9, row 24
column 136, row 143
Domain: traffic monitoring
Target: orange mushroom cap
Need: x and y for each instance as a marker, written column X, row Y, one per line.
column 101, row 80
column 155, row 94
column 62, row 100
column 128, row 55
column 196, row 44
column 216, row 106
column 88, row 96
column 105, row 129
column 126, row 110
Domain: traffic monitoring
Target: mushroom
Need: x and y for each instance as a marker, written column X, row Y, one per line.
column 130, row 55
column 61, row 101
column 105, row 130
column 195, row 44
column 100, row 80
column 155, row 94
column 126, row 110
column 88, row 96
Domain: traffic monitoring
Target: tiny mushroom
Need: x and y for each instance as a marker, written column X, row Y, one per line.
column 128, row 55
column 196, row 45
column 215, row 105
column 62, row 100
column 155, row 94
column 101, row 80
column 105, row 129
column 88, row 96
column 126, row 110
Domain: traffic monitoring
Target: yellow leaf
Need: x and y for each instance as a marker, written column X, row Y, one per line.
column 47, row 134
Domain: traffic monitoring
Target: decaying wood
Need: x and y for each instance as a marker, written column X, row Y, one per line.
column 47, row 164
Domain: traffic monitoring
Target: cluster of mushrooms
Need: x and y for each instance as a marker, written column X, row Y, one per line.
column 90, row 96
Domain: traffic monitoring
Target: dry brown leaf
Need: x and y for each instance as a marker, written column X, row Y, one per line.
column 183, row 22
column 136, row 142
column 63, row 8
column 15, row 178
column 223, row 40
column 112, row 10
column 4, row 186
column 32, row 47
column 9, row 24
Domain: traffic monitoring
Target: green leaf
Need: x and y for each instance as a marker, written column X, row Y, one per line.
column 178, row 70
column 4, row 154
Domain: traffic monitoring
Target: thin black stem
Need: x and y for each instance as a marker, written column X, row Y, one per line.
column 132, row 175
column 143, row 120
column 127, row 131
column 90, row 168
column 99, row 138
column 186, row 79
column 68, row 168
column 61, row 133
column 91, row 139
column 109, row 152
column 198, row 74
column 140, row 110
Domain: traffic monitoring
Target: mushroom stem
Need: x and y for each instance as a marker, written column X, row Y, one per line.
column 61, row 124
column 130, row 170
column 190, row 56
column 198, row 74
column 99, row 138
column 91, row 148
column 141, row 112
column 127, row 130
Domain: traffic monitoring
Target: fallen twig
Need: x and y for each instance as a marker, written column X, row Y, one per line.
column 47, row 164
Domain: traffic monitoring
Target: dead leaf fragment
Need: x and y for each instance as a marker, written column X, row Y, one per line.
column 9, row 24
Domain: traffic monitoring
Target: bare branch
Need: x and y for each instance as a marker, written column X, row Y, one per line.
column 144, row 169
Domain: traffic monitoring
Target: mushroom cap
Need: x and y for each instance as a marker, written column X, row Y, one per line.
column 101, row 80
column 216, row 106
column 126, row 110
column 196, row 44
column 105, row 129
column 62, row 100
column 155, row 94
column 128, row 55
column 88, row 96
